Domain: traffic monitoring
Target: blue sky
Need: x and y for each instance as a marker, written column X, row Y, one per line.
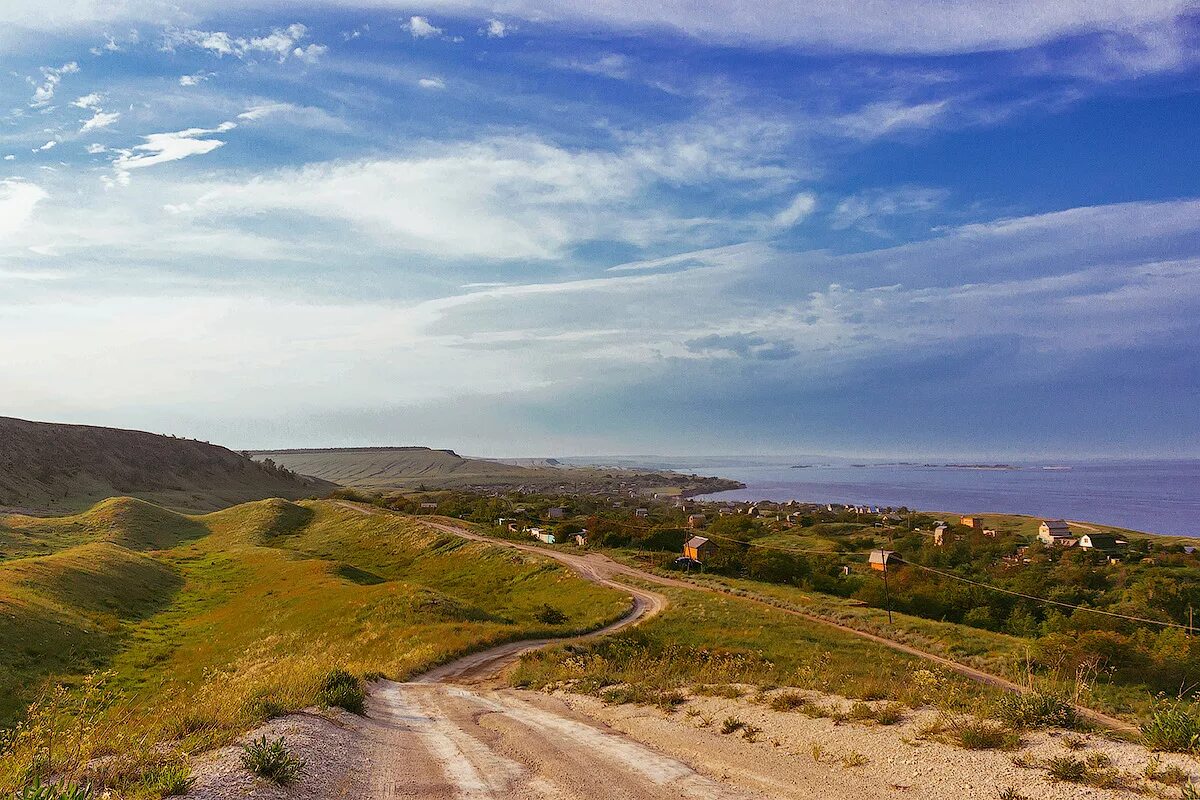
column 529, row 228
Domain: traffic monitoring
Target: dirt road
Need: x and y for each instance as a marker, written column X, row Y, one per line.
column 454, row 732
column 595, row 566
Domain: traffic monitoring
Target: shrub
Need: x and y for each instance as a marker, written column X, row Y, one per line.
column 732, row 725
column 50, row 791
column 1066, row 768
column 1037, row 710
column 169, row 780
column 272, row 760
column 979, row 735
column 889, row 713
column 751, row 732
column 340, row 688
column 1172, row 726
column 789, row 701
column 854, row 759
column 550, row 615
column 1172, row 774
column 1011, row 794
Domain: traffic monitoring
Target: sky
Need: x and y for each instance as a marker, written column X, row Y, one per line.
column 534, row 228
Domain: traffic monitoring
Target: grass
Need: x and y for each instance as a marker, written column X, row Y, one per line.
column 1037, row 710
column 272, row 760
column 717, row 644
column 340, row 688
column 971, row 733
column 1172, row 726
column 207, row 636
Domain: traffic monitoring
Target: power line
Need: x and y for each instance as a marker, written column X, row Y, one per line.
column 943, row 573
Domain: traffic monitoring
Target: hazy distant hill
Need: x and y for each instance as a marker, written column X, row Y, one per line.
column 53, row 467
column 423, row 467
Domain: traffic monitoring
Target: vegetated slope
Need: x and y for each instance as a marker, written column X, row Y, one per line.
column 47, row 467
column 218, row 621
column 401, row 468
column 386, row 467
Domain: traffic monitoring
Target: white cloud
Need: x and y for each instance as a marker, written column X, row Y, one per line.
column 878, row 119
column 899, row 26
column 89, row 101
column 431, row 83
column 867, row 210
column 18, row 200
column 796, row 211
column 195, row 79
column 279, row 42
column 43, row 93
column 101, row 119
column 520, row 197
column 292, row 114
column 50, row 145
column 610, row 65
column 160, row 148
column 495, row 29
column 310, row 54
column 10, row 157
column 422, row 28
column 96, row 149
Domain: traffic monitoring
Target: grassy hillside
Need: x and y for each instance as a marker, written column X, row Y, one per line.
column 49, row 467
column 209, row 624
column 411, row 468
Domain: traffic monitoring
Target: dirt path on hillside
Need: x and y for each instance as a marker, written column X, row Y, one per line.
column 595, row 566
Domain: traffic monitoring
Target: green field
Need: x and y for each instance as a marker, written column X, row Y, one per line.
column 209, row 624
column 704, row 639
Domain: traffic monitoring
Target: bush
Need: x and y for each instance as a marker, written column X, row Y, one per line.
column 1174, row 727
column 550, row 615
column 732, row 725
column 1066, row 768
column 340, row 688
column 789, row 701
column 1037, row 710
column 169, row 780
column 979, row 735
column 272, row 760
column 50, row 791
column 889, row 713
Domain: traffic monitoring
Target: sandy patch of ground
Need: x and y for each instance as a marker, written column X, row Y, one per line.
column 331, row 745
column 782, row 763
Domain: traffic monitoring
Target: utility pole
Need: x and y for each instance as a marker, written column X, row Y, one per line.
column 883, row 554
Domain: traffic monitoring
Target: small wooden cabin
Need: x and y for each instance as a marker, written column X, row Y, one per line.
column 696, row 548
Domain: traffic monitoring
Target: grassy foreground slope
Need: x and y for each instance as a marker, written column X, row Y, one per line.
column 50, row 467
column 210, row 624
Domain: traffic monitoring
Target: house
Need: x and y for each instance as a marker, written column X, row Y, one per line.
column 1100, row 542
column 641, row 512
column 989, row 532
column 974, row 523
column 556, row 513
column 542, row 535
column 1053, row 531
column 581, row 539
column 696, row 520
column 882, row 559
column 428, row 506
column 696, row 548
column 942, row 535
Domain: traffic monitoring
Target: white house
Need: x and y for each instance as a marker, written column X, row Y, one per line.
column 1054, row 531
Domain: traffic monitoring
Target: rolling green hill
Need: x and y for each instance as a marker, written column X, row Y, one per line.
column 50, row 467
column 409, row 468
column 209, row 624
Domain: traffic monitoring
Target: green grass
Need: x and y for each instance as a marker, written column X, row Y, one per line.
column 236, row 616
column 705, row 640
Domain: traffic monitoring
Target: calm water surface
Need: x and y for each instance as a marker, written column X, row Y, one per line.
column 1155, row 496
